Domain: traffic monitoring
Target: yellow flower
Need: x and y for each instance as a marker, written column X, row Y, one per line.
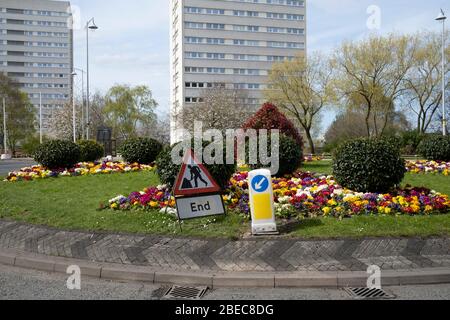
column 387, row 210
column 154, row 204
column 332, row 202
column 114, row 206
column 428, row 208
column 326, row 210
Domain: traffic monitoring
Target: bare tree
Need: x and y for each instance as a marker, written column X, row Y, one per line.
column 350, row 124
column 423, row 83
column 302, row 89
column 160, row 130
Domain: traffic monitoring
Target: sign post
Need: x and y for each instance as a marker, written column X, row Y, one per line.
column 261, row 202
column 196, row 192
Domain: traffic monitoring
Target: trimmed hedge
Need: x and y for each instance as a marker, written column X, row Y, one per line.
column 435, row 147
column 90, row 151
column 168, row 171
column 57, row 154
column 290, row 156
column 368, row 165
column 140, row 150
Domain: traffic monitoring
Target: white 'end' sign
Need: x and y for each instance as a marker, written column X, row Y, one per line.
column 197, row 207
column 261, row 202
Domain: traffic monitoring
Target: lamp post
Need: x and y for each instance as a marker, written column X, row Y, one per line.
column 84, row 101
column 74, row 116
column 90, row 25
column 40, row 117
column 442, row 17
column 4, row 156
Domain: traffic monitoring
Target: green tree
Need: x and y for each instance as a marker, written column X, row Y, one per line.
column 371, row 74
column 302, row 89
column 129, row 111
column 20, row 113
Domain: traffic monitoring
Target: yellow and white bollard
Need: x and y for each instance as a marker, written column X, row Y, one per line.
column 261, row 202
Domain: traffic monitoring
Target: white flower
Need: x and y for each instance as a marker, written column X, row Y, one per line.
column 304, row 192
column 171, row 211
column 117, row 199
column 283, row 200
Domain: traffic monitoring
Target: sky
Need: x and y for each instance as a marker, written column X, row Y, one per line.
column 131, row 45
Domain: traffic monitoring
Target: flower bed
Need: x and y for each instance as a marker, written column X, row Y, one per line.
column 81, row 169
column 304, row 194
column 424, row 166
column 312, row 158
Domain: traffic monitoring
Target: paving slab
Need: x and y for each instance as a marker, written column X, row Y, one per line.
column 267, row 262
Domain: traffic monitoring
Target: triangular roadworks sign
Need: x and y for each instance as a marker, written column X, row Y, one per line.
column 194, row 178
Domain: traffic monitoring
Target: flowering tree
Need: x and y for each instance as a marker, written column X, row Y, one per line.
column 219, row 108
column 61, row 122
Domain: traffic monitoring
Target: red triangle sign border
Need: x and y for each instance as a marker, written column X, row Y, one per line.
column 177, row 191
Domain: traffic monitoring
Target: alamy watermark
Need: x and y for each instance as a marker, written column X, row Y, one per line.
column 374, row 20
column 249, row 147
column 374, row 279
column 74, row 280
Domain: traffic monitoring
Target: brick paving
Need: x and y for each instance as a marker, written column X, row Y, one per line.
column 215, row 255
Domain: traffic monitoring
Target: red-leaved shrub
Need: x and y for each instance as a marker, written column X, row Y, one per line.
column 269, row 117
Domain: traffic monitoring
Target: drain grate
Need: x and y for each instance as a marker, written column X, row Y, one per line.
column 191, row 293
column 368, row 293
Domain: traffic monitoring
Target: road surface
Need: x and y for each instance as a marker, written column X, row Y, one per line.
column 18, row 283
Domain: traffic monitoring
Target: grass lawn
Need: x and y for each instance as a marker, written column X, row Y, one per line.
column 71, row 203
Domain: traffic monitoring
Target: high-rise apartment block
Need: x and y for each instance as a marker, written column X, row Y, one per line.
column 36, row 50
column 230, row 44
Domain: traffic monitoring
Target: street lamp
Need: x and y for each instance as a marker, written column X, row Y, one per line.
column 74, row 119
column 90, row 25
column 83, row 99
column 40, row 118
column 442, row 17
column 5, row 156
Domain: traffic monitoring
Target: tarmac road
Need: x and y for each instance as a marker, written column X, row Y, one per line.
column 17, row 283
column 7, row 166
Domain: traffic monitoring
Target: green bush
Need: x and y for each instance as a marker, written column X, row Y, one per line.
column 394, row 141
column 168, row 171
column 57, row 154
column 90, row 151
column 435, row 147
column 140, row 150
column 410, row 141
column 368, row 165
column 291, row 156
